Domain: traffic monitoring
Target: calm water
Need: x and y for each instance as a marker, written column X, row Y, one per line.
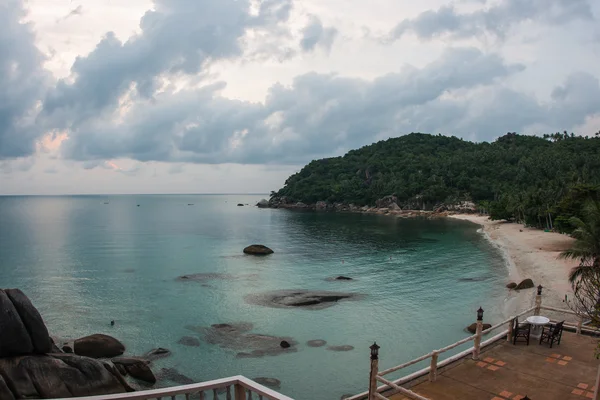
column 84, row 263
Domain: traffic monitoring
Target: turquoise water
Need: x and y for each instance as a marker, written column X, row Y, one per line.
column 84, row 263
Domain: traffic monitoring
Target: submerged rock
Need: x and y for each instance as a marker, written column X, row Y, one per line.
column 171, row 374
column 316, row 343
column 157, row 353
column 210, row 276
column 525, row 284
column 258, row 250
column 98, row 346
column 345, row 347
column 340, row 278
column 300, row 298
column 269, row 382
column 189, row 341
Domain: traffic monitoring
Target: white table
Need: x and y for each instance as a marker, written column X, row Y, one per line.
column 537, row 322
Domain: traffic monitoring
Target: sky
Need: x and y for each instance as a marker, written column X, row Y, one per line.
column 233, row 96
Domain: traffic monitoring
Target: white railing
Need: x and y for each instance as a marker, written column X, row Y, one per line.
column 235, row 387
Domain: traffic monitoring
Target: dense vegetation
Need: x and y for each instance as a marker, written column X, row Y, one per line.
column 540, row 181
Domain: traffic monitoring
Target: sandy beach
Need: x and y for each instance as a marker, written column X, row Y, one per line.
column 530, row 253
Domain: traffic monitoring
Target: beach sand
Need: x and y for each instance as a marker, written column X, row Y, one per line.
column 530, row 253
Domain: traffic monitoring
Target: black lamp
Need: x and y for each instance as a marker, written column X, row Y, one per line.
column 525, row 398
column 374, row 351
column 540, row 290
column 480, row 314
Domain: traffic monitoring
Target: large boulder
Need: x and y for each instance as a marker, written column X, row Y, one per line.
column 258, row 250
column 98, row 346
column 386, row 201
column 136, row 367
column 57, row 376
column 394, row 206
column 473, row 327
column 262, row 204
column 14, row 337
column 525, row 284
column 32, row 320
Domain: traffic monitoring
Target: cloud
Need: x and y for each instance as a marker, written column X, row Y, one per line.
column 51, row 170
column 323, row 114
column 177, row 37
column 496, row 19
column 314, row 34
column 22, row 83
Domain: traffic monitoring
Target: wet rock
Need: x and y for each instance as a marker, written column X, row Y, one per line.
column 285, row 344
column 258, row 250
column 511, row 285
column 345, row 347
column 189, row 341
column 300, row 298
column 171, row 374
column 240, row 205
column 473, row 327
column 98, row 346
column 316, row 343
column 340, row 278
column 136, row 367
column 157, row 353
column 525, row 284
column 269, row 382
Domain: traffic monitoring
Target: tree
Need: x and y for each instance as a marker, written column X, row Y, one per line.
column 586, row 248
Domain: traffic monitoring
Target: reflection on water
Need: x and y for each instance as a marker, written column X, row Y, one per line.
column 85, row 263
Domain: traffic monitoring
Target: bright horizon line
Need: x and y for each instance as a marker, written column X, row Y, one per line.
column 132, row 194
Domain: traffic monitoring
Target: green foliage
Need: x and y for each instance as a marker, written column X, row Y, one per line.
column 525, row 178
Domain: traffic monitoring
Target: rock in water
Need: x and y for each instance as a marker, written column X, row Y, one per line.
column 284, row 344
column 240, row 205
column 308, row 299
column 270, row 382
column 57, row 376
column 258, row 250
column 98, row 346
column 263, row 204
column 136, row 367
column 189, row 341
column 14, row 337
column 511, row 285
column 473, row 327
column 316, row 343
column 171, row 374
column 525, row 284
column 32, row 320
column 343, row 278
column 155, row 354
column 345, row 347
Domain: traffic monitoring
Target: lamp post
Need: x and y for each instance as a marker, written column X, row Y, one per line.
column 538, row 300
column 374, row 370
column 478, row 329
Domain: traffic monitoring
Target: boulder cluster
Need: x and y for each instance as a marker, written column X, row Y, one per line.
column 32, row 366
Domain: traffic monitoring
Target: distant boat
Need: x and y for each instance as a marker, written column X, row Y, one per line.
column 138, row 205
column 190, row 204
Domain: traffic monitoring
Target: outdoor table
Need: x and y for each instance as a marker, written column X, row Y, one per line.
column 537, row 322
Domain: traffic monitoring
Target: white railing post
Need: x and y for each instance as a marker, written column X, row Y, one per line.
column 240, row 392
column 374, row 370
column 596, row 386
column 477, row 341
column 538, row 301
column 509, row 335
column 433, row 367
column 579, row 324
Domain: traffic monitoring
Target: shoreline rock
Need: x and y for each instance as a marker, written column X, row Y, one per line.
column 258, row 250
column 525, row 284
column 98, row 345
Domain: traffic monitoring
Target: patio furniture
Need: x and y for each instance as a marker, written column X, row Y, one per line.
column 521, row 331
column 552, row 333
column 537, row 322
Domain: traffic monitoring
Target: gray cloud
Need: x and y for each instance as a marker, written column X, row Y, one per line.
column 22, row 82
column 324, row 114
column 177, row 37
column 496, row 19
column 315, row 34
column 74, row 12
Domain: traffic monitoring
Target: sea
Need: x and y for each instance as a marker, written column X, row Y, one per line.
column 85, row 261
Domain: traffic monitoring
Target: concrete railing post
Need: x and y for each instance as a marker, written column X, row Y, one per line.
column 433, row 367
column 374, row 370
column 477, row 344
column 538, row 301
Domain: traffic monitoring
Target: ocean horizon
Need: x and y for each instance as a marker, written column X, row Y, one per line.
column 84, row 263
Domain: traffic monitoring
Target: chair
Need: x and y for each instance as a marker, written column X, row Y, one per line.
column 552, row 333
column 521, row 331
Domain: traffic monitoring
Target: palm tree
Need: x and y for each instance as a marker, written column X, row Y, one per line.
column 586, row 248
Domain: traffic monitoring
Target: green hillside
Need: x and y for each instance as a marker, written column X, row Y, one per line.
column 517, row 176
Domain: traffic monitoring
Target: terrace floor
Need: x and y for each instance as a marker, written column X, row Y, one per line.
column 506, row 371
